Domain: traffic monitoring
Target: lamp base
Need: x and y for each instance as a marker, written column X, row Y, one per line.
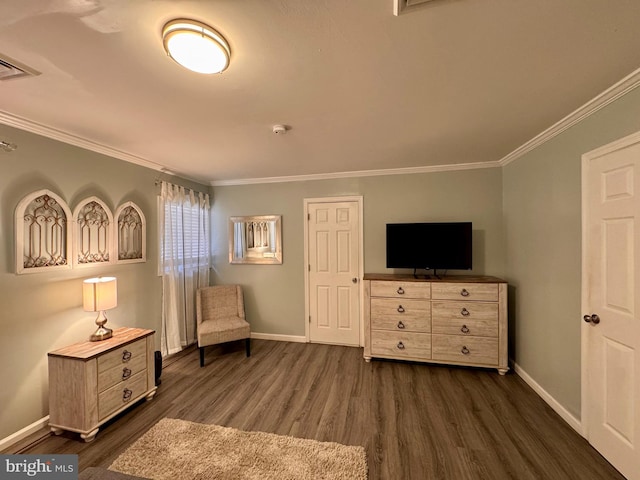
column 102, row 333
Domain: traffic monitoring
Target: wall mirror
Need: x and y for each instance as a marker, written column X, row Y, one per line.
column 256, row 239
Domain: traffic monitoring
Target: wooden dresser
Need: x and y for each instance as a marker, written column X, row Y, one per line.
column 91, row 382
column 458, row 320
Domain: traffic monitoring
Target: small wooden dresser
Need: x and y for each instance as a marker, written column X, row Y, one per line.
column 460, row 320
column 91, row 382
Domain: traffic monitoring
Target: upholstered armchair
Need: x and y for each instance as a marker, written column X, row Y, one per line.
column 220, row 317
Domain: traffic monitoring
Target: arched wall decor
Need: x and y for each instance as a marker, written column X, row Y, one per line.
column 131, row 234
column 43, row 240
column 48, row 236
column 93, row 238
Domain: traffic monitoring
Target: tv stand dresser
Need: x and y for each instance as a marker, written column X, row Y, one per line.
column 455, row 320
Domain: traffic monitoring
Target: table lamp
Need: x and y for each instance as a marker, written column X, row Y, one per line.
column 100, row 294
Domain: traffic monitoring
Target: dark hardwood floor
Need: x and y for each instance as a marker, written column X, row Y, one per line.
column 415, row 421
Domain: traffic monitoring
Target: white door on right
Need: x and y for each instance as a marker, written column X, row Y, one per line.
column 611, row 326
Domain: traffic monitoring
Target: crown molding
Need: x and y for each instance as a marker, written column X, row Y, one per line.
column 45, row 131
column 357, row 173
column 610, row 95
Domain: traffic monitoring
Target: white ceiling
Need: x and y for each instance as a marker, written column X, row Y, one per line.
column 451, row 82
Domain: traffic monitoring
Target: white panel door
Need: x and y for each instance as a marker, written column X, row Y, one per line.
column 333, row 256
column 611, row 328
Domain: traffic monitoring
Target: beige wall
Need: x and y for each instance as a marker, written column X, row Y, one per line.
column 275, row 293
column 542, row 211
column 43, row 311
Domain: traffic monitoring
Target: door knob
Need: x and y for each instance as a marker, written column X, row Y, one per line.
column 354, row 279
column 593, row 318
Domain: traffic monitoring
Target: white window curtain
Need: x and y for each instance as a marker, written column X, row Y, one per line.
column 184, row 262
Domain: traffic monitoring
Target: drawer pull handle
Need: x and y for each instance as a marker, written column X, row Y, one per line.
column 464, row 329
column 464, row 292
column 400, row 325
column 126, row 395
column 400, row 309
column 400, row 291
column 464, row 312
column 126, row 373
column 400, row 346
column 126, row 356
column 465, row 350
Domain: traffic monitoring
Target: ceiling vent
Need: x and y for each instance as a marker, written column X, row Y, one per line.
column 11, row 69
column 404, row 6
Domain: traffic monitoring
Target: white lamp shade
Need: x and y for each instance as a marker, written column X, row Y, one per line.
column 100, row 293
column 196, row 46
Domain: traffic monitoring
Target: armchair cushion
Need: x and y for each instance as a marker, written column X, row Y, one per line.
column 222, row 330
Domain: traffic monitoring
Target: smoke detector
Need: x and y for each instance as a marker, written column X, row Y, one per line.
column 279, row 129
column 7, row 146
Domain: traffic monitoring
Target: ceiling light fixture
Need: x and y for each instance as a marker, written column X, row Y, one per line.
column 196, row 46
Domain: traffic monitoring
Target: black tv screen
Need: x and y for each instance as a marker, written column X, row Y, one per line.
column 430, row 246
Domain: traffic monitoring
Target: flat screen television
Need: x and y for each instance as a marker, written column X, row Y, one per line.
column 430, row 246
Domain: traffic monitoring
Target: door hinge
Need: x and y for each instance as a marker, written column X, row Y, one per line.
column 309, row 318
column 308, row 216
column 309, row 267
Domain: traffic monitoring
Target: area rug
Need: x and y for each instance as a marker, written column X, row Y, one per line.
column 177, row 449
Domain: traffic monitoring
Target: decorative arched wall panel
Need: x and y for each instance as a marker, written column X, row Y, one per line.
column 43, row 240
column 93, row 233
column 131, row 234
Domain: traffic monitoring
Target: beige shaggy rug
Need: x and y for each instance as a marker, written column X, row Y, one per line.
column 180, row 450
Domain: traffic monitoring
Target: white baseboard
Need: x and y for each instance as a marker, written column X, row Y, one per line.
column 279, row 338
column 24, row 433
column 552, row 402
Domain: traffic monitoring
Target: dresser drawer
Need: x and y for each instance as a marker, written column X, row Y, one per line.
column 401, row 344
column 122, row 371
column 465, row 318
column 383, row 288
column 401, row 314
column 465, row 291
column 473, row 350
column 122, row 356
column 122, row 394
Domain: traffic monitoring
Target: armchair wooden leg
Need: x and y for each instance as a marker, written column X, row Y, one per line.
column 248, row 346
column 202, row 356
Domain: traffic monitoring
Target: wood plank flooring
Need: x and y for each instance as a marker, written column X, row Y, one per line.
column 415, row 421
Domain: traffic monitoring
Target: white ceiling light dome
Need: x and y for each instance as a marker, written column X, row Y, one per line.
column 196, row 46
